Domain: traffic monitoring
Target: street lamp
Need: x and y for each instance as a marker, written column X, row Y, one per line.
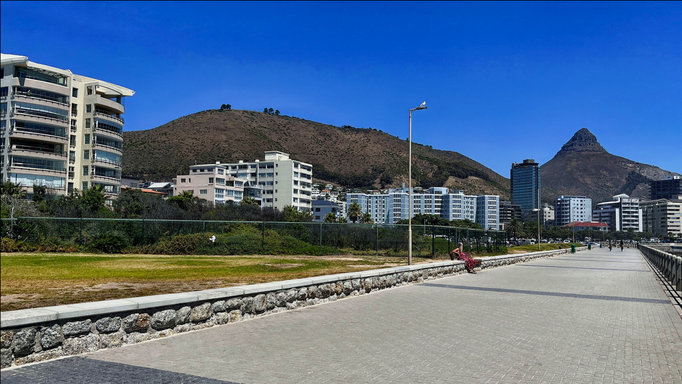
column 409, row 190
column 538, row 210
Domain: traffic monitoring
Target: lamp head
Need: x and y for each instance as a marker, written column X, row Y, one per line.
column 422, row 106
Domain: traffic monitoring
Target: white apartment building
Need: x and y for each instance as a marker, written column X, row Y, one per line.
column 568, row 209
column 662, row 217
column 621, row 214
column 212, row 182
column 284, row 181
column 58, row 129
column 392, row 207
column 548, row 215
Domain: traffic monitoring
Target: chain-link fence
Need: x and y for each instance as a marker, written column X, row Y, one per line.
column 240, row 237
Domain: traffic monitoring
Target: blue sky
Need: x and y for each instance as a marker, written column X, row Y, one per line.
column 504, row 81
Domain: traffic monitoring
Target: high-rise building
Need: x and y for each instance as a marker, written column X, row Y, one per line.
column 621, row 214
column 40, row 137
column 662, row 217
column 568, row 209
column 669, row 188
column 525, row 186
column 285, row 182
column 58, row 129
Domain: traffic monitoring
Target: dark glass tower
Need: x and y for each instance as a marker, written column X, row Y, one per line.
column 525, row 184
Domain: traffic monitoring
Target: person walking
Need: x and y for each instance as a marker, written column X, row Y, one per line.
column 621, row 245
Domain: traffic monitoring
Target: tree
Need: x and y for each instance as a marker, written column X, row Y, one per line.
column 228, row 107
column 265, row 110
column 514, row 229
column 271, row 111
column 367, row 218
column 354, row 212
column 249, row 201
column 12, row 190
column 39, row 193
column 330, row 218
column 277, row 112
column 293, row 215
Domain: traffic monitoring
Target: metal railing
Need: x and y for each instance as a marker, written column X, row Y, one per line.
column 38, row 150
column 668, row 264
column 99, row 113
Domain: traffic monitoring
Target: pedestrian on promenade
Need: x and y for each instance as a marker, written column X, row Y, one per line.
column 458, row 253
column 621, row 245
column 610, row 246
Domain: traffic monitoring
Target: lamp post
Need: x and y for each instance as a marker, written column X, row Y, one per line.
column 538, row 210
column 409, row 190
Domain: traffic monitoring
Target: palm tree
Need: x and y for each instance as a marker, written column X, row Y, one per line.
column 330, row 218
column 12, row 190
column 367, row 218
column 354, row 212
column 249, row 201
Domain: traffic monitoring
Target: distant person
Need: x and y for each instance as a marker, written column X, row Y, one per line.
column 621, row 245
column 458, row 253
column 610, row 246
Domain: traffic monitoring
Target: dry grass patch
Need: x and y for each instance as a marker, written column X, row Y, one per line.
column 37, row 280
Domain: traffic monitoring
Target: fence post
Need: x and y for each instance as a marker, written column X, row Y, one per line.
column 262, row 242
column 321, row 238
column 80, row 232
column 143, row 232
column 448, row 250
column 433, row 242
column 203, row 233
column 377, row 225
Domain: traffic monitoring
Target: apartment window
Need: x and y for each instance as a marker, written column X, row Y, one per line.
column 221, row 172
column 295, row 174
column 183, row 180
column 74, row 109
column 87, row 123
column 190, row 180
column 317, row 209
column 210, row 180
column 276, row 173
column 70, row 188
column 203, row 191
column 88, row 108
column 89, row 90
column 74, row 92
column 194, row 171
column 85, row 185
column 85, row 170
column 86, row 155
column 87, row 139
column 261, row 175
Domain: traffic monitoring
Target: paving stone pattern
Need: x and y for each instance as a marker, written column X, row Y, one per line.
column 591, row 317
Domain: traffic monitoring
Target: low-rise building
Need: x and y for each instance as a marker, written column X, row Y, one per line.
column 568, row 209
column 662, row 217
column 321, row 208
column 210, row 182
column 621, row 214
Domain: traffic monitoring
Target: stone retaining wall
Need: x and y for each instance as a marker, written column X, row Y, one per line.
column 40, row 334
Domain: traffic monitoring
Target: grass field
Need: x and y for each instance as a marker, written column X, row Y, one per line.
column 543, row 247
column 31, row 280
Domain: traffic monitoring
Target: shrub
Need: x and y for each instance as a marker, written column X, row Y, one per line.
column 108, row 243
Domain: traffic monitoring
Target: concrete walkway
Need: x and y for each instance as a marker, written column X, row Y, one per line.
column 591, row 317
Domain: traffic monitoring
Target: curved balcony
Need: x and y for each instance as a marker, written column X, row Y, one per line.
column 106, row 163
column 108, row 148
column 103, row 101
column 109, row 117
column 35, row 171
column 106, row 132
column 106, row 179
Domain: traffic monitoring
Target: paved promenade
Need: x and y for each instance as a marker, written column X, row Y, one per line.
column 591, row 317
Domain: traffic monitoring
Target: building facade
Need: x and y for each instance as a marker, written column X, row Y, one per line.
column 509, row 212
column 58, row 129
column 621, row 214
column 568, row 209
column 210, row 182
column 321, row 208
column 669, row 188
column 525, row 186
column 285, row 182
column 393, row 206
column 662, row 217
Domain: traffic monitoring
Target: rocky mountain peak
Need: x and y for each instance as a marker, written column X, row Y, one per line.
column 583, row 141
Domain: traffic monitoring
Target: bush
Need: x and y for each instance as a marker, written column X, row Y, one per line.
column 108, row 243
column 11, row 245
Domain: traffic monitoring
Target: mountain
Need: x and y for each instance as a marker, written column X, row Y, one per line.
column 584, row 167
column 347, row 156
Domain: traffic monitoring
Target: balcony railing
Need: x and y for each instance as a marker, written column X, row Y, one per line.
column 46, row 98
column 108, row 131
column 107, row 147
column 29, row 148
column 36, row 132
column 100, row 113
column 106, row 178
column 40, row 115
column 107, row 162
column 21, row 167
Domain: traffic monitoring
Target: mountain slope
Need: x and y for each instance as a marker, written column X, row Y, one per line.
column 345, row 155
column 584, row 167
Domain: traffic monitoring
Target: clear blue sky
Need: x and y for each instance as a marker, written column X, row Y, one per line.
column 503, row 81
